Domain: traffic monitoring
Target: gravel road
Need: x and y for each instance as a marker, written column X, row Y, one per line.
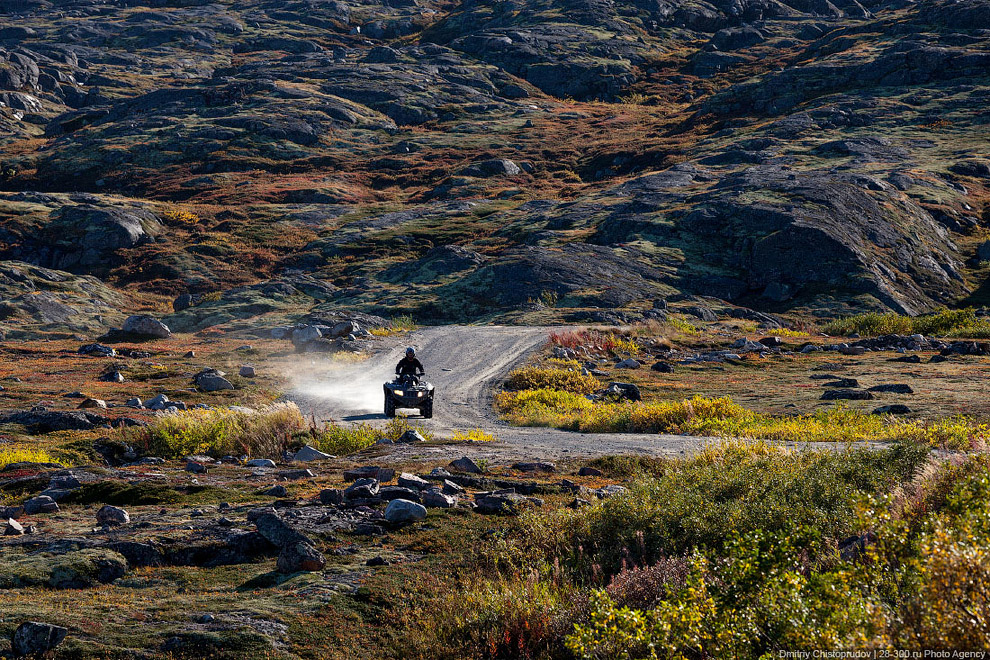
column 466, row 363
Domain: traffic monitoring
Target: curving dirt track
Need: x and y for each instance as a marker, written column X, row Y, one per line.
column 465, row 363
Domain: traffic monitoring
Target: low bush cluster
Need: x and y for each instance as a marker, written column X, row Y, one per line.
column 945, row 323
column 596, row 340
column 741, row 551
column 343, row 440
column 552, row 377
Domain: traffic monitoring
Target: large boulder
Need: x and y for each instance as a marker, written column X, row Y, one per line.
column 112, row 515
column 33, row 638
column 300, row 556
column 88, row 237
column 490, row 168
column 144, row 326
column 278, row 532
column 212, row 380
column 403, row 511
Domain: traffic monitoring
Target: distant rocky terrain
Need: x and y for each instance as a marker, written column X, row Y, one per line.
column 553, row 160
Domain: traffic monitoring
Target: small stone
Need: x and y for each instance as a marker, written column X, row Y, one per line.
column 112, row 515
column 332, row 496
column 610, row 491
column 369, row 471
column 412, row 435
column 254, row 514
column 308, row 453
column 261, row 463
column 541, row 466
column 278, row 490
column 295, row 475
column 211, row 380
column 663, row 367
column 842, row 382
column 895, row 409
column 437, row 499
column 362, row 489
column 389, row 493
column 206, row 618
column 13, row 528
column 626, row 391
column 894, row 388
column 407, row 480
column 93, row 403
column 246, row 371
column 40, row 504
column 112, row 377
column 401, row 511
column 628, row 363
column 465, row 464
column 157, row 402
column 134, row 402
column 377, row 561
column 589, row 472
column 195, row 467
column 854, row 395
column 450, row 488
column 14, row 512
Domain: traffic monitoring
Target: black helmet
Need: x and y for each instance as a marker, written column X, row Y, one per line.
column 410, row 352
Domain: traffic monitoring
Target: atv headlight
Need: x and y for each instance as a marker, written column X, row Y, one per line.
column 420, row 393
column 399, row 393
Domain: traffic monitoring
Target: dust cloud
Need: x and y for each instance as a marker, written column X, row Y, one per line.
column 351, row 388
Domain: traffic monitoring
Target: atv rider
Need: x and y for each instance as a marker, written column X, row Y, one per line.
column 409, row 366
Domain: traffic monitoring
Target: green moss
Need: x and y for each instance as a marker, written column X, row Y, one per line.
column 122, row 494
column 72, row 570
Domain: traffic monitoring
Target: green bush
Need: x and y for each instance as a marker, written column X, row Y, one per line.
column 343, row 440
column 948, row 322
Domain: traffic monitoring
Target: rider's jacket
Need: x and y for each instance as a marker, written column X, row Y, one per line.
column 408, row 367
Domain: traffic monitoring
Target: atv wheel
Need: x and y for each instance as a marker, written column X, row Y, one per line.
column 427, row 410
column 389, row 407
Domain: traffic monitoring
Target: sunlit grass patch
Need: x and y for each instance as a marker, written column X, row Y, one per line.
column 564, row 379
column 10, row 455
column 397, row 325
column 219, row 432
column 721, row 417
column 342, row 440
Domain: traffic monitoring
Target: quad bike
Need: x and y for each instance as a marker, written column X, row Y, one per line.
column 408, row 392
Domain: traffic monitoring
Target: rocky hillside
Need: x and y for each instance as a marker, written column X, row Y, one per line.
column 548, row 159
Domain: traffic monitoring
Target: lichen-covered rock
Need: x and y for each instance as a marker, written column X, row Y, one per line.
column 33, row 638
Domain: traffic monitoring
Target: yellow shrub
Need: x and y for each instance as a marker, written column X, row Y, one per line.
column 22, row 455
column 532, row 378
column 177, row 216
column 473, row 435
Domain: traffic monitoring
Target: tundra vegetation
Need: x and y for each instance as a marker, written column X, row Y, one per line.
column 760, row 224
